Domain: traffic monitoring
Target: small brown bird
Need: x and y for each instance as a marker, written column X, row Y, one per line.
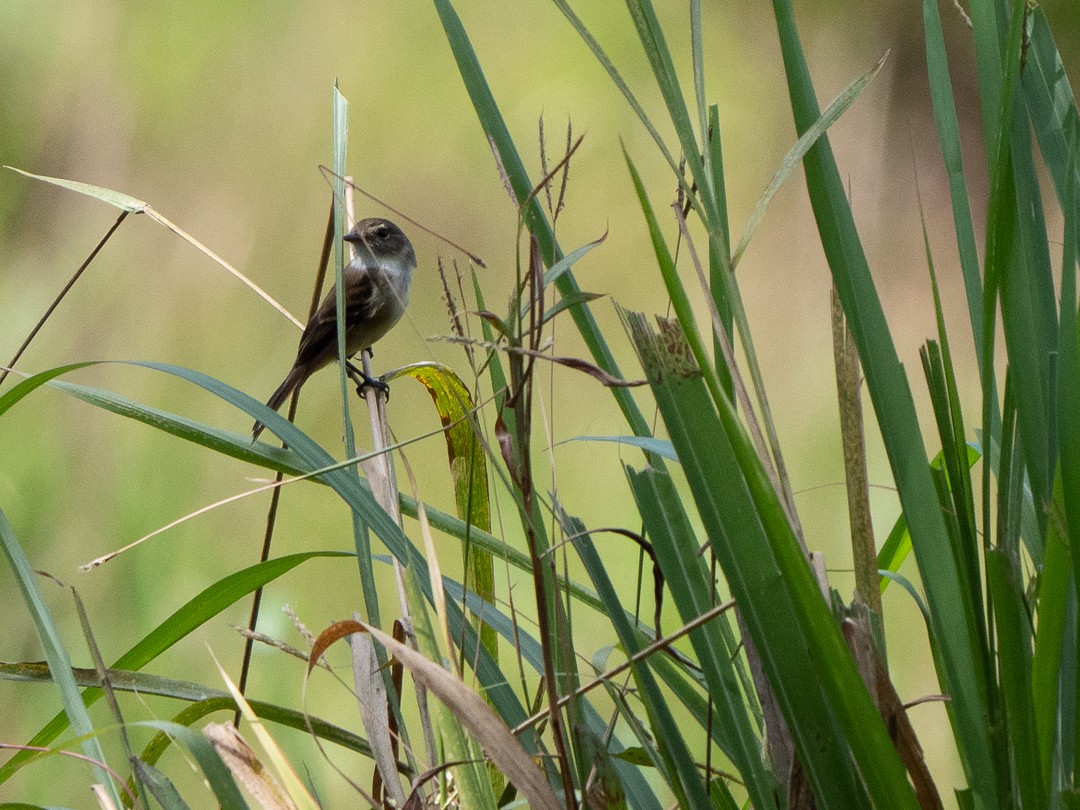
column 377, row 286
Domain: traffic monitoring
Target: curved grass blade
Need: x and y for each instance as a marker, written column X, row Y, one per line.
column 132, row 205
column 117, row 199
column 196, row 612
column 661, row 447
column 240, row 446
column 204, row 701
column 793, row 159
column 468, row 469
column 56, row 654
column 221, row 781
column 487, row 110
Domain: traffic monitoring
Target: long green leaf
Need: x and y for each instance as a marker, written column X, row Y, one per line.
column 495, row 129
column 1056, row 622
column 56, row 654
column 1015, row 636
column 829, row 713
column 686, row 575
column 204, row 700
column 196, row 612
column 948, row 129
column 793, row 159
column 952, row 616
column 1052, row 105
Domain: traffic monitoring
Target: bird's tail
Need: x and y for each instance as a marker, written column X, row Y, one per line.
column 295, row 378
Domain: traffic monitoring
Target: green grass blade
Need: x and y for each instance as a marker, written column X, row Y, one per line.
column 1018, row 263
column 656, row 50
column 952, row 616
column 1052, row 106
column 565, row 264
column 159, row 785
column 948, row 129
column 835, row 724
column 680, row 771
column 624, row 88
column 720, row 254
column 680, row 301
column 499, row 136
column 234, row 445
column 56, row 654
column 1056, row 622
column 185, row 620
column 117, row 199
column 697, row 48
column 1014, row 661
column 240, row 447
column 897, row 545
column 24, row 388
column 661, row 447
column 793, row 159
column 951, row 426
column 687, row 577
column 217, row 774
column 204, row 700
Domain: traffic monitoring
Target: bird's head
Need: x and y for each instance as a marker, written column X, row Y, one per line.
column 382, row 239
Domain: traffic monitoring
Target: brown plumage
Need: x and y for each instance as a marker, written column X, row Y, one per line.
column 377, row 286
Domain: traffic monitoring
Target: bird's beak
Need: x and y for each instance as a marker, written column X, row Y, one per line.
column 353, row 236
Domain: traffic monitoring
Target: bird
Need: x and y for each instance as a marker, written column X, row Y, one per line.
column 377, row 283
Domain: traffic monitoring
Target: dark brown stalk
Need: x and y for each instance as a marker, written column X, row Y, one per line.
column 275, row 497
column 56, row 302
column 516, row 454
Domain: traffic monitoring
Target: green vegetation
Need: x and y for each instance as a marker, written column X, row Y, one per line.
column 759, row 685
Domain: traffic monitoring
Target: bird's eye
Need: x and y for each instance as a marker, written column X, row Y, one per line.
column 383, row 232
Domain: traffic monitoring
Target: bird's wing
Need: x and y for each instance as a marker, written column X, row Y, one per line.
column 319, row 341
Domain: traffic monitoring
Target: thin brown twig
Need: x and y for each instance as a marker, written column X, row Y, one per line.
column 328, row 172
column 640, row 655
column 275, row 496
column 60, row 296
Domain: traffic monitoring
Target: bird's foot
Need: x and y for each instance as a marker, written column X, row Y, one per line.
column 364, row 381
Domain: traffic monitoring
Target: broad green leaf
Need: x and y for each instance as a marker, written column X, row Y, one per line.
column 468, row 469
column 959, row 650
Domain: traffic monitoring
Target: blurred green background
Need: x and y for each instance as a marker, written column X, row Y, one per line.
column 218, row 114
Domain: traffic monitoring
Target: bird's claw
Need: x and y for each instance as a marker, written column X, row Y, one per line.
column 370, row 382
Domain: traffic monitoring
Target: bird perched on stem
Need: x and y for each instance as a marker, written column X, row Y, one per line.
column 377, row 283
